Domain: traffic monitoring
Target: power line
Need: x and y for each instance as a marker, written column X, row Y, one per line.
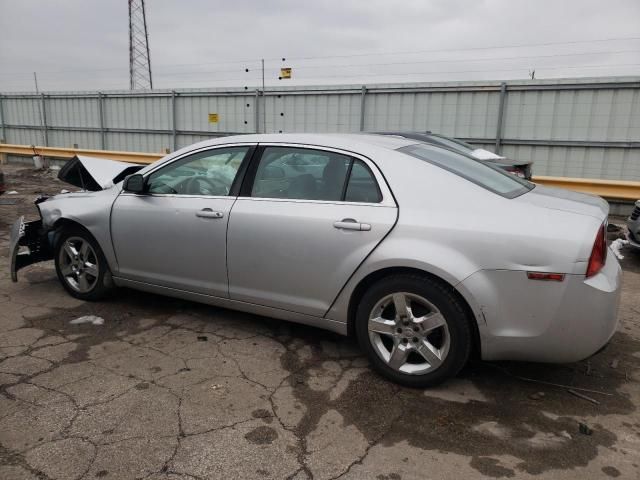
column 257, row 60
column 411, row 52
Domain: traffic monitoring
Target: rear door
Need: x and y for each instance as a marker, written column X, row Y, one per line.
column 305, row 220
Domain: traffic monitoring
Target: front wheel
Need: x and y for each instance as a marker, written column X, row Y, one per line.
column 414, row 330
column 81, row 266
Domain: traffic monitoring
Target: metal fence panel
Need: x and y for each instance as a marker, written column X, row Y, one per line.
column 139, row 142
column 83, row 139
column 22, row 111
column 569, row 127
column 72, row 112
column 24, row 136
column 233, row 113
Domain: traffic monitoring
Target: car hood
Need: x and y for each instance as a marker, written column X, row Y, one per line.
column 567, row 201
column 94, row 174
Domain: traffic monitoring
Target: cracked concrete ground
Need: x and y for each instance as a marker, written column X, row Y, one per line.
column 168, row 389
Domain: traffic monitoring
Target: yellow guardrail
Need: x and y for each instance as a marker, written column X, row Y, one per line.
column 60, row 152
column 613, row 189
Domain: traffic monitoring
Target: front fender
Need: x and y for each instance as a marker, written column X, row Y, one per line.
column 90, row 210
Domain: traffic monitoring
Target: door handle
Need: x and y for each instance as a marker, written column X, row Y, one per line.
column 208, row 213
column 351, row 224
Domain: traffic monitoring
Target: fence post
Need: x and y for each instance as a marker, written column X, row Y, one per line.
column 44, row 120
column 174, row 132
column 3, row 138
column 257, row 110
column 103, row 143
column 363, row 93
column 503, row 95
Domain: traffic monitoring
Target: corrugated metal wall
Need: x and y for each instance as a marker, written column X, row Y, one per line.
column 576, row 128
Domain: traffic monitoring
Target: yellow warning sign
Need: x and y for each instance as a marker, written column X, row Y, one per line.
column 285, row 72
column 213, row 118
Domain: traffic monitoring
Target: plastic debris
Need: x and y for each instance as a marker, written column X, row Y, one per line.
column 616, row 245
column 88, row 319
column 584, row 429
column 12, row 192
column 64, row 190
column 614, row 363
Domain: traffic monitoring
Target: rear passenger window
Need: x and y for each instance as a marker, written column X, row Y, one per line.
column 308, row 174
column 362, row 186
column 299, row 173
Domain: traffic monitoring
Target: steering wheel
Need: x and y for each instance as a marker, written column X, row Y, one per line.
column 202, row 185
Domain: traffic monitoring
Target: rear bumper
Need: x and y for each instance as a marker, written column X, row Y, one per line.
column 28, row 244
column 539, row 321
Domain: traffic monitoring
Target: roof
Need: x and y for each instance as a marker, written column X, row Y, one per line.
column 356, row 142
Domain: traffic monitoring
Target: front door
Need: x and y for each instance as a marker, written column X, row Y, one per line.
column 174, row 235
column 303, row 226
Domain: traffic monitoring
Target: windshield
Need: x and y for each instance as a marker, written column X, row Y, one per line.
column 487, row 176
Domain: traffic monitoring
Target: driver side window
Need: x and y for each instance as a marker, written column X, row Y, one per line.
column 208, row 173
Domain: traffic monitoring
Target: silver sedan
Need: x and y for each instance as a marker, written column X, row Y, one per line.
column 424, row 254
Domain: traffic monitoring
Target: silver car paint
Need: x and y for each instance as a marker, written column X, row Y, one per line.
column 446, row 226
column 145, row 227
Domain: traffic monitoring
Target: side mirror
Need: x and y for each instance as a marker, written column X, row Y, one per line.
column 134, row 183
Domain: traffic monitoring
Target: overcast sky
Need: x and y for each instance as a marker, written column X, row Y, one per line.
column 83, row 44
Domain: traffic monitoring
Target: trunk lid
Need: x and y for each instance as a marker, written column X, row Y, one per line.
column 567, row 201
column 95, row 174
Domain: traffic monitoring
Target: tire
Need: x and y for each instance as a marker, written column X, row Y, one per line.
column 89, row 264
column 427, row 343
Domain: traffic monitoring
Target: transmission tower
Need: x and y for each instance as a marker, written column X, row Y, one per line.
column 139, row 56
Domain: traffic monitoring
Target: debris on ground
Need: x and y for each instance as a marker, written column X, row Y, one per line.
column 94, row 320
column 64, row 190
column 583, row 396
column 203, row 338
column 584, row 429
column 616, row 245
column 614, row 363
column 12, row 192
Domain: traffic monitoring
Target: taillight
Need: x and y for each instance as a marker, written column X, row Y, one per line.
column 598, row 253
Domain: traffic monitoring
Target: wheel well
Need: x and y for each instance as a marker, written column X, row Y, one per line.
column 62, row 223
column 65, row 223
column 378, row 275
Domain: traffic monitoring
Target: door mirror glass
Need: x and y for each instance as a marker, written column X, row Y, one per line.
column 134, row 183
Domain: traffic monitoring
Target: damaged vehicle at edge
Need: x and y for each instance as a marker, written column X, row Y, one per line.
column 633, row 226
column 426, row 255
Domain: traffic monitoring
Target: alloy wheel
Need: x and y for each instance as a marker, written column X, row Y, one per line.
column 409, row 333
column 78, row 264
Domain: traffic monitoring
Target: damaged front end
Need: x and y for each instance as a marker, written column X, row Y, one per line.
column 29, row 243
column 32, row 242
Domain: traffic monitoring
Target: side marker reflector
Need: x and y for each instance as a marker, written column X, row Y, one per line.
column 552, row 277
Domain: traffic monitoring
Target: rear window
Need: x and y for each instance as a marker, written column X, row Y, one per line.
column 482, row 174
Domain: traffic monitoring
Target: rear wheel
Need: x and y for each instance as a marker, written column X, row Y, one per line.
column 81, row 265
column 414, row 330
